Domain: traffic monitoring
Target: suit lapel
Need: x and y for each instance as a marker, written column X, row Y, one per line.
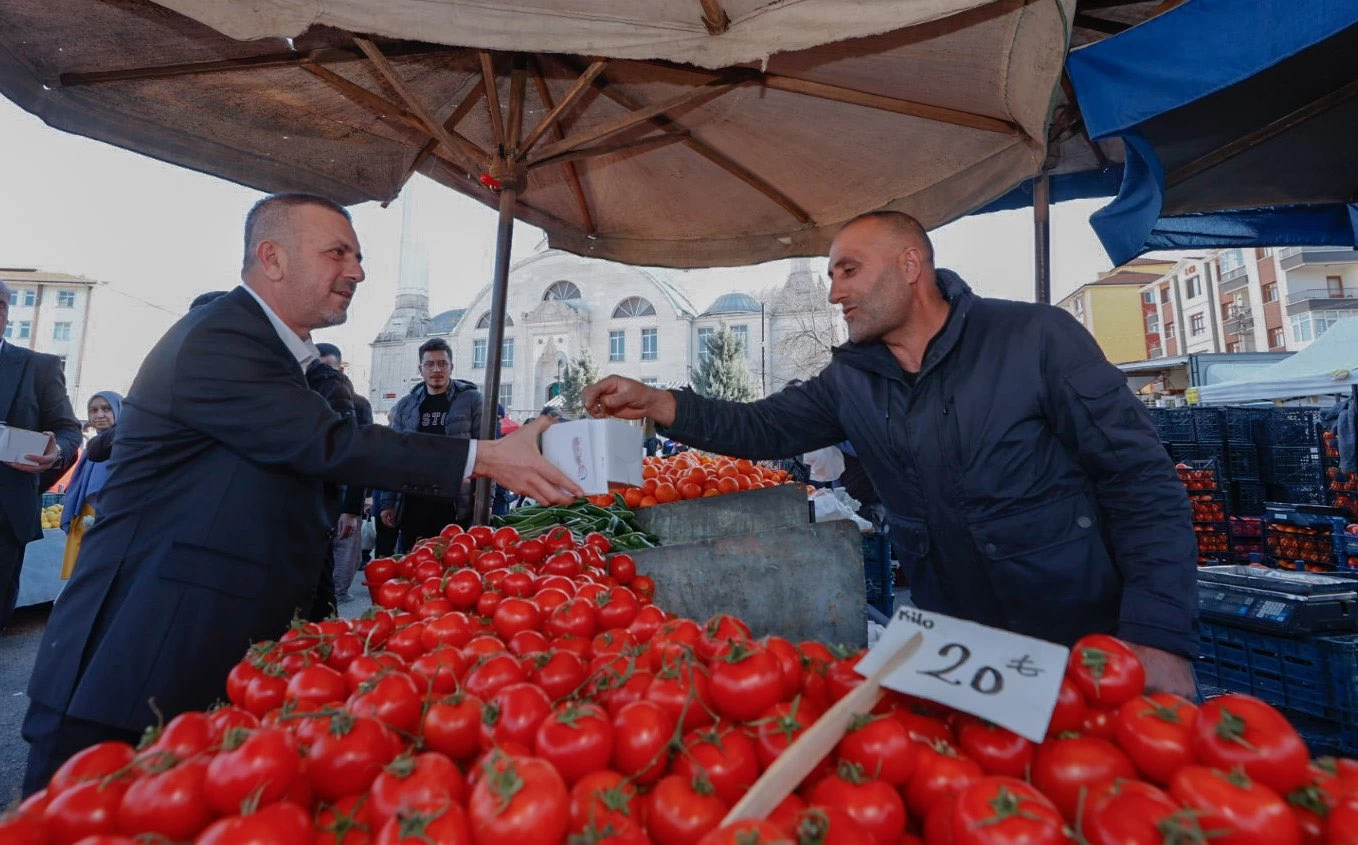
column 12, row 362
column 264, row 328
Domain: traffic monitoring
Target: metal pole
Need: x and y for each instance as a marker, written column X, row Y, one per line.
column 1042, row 240
column 763, row 358
column 490, row 395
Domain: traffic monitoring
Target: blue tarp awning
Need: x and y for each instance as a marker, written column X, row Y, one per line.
column 1238, row 124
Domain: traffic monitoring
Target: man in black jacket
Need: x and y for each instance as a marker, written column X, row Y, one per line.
column 32, row 396
column 212, row 526
column 1023, row 480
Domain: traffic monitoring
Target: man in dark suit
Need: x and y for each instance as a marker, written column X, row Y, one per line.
column 32, row 396
column 212, row 526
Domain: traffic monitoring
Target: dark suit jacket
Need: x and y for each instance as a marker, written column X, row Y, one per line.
column 32, row 396
column 212, row 527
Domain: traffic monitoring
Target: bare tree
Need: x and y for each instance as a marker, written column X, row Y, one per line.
column 804, row 343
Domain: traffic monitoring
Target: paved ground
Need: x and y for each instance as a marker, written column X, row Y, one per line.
column 18, row 647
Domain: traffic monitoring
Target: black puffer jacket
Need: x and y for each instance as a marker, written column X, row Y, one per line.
column 1025, row 486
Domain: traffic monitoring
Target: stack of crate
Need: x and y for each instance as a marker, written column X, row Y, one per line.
column 1203, row 482
column 1342, row 487
column 1292, row 469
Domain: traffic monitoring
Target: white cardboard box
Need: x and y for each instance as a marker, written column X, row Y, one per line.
column 598, row 454
column 15, row 443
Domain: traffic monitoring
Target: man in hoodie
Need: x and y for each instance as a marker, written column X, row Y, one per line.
column 439, row 404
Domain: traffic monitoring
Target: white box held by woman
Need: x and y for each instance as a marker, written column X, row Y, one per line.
column 597, row 454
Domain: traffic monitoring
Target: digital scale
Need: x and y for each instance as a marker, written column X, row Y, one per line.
column 1278, row 601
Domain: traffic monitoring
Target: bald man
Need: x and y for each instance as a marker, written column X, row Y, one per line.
column 212, row 527
column 1023, row 480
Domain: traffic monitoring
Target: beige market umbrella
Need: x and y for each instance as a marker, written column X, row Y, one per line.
column 676, row 133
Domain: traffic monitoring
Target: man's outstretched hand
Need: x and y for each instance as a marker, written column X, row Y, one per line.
column 616, row 396
column 516, row 463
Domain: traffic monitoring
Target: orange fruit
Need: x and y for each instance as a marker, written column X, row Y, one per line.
column 665, row 493
column 647, row 501
column 632, row 496
column 649, row 471
column 648, row 487
column 728, row 485
column 690, row 490
column 710, row 492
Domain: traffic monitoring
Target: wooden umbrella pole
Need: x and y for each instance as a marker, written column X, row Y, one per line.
column 1042, row 238
column 499, row 290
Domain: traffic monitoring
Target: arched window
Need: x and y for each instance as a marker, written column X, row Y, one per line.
column 484, row 322
column 634, row 306
column 561, row 290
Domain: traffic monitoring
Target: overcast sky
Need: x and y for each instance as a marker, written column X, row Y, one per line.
column 159, row 235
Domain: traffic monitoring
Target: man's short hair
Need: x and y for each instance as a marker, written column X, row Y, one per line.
column 268, row 216
column 204, row 298
column 902, row 224
column 328, row 350
column 435, row 344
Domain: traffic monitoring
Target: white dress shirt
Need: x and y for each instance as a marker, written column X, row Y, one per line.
column 306, row 353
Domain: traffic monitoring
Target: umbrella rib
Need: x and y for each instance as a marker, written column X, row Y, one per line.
column 909, row 108
column 581, row 84
column 450, row 124
column 1252, row 139
column 696, row 96
column 497, row 126
column 650, row 142
column 669, row 124
column 714, row 17
column 572, row 175
column 518, row 78
column 430, row 124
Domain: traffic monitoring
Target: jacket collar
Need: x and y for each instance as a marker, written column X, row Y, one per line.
column 874, row 356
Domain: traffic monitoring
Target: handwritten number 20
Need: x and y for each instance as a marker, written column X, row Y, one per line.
column 987, row 680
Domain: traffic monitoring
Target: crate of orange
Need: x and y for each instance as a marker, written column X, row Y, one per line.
column 690, row 475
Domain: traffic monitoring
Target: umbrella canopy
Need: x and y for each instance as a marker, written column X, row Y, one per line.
column 1236, row 134
column 1327, row 366
column 816, row 111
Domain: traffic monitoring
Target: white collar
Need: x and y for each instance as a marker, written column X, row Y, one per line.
column 301, row 348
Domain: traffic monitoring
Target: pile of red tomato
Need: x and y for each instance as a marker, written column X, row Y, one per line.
column 510, row 691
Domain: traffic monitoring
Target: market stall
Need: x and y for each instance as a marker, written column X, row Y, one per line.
column 1326, row 368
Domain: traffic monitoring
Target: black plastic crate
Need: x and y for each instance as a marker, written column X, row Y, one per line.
column 1242, row 462
column 1247, row 498
column 879, row 572
column 1245, row 425
column 1297, row 465
column 1176, row 426
column 1207, row 425
column 1294, row 427
column 1296, row 494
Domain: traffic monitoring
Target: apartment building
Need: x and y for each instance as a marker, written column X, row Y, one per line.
column 1109, row 307
column 50, row 312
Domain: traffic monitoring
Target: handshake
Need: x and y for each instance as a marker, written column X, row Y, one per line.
column 516, row 463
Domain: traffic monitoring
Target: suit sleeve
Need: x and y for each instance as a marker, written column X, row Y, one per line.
column 1140, row 496
column 237, row 389
column 55, row 413
column 792, row 421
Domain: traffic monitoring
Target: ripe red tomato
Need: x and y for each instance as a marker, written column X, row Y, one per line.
column 1069, row 714
column 779, row 726
column 186, row 735
column 827, row 826
column 577, row 739
column 575, row 618
column 605, row 799
column 790, row 659
column 642, row 732
column 559, row 673
column 93, row 763
column 683, row 691
column 87, row 808
column 747, row 832
column 681, row 810
column 452, row 726
column 513, row 714
column 414, row 782
column 277, row 824
column 442, row 823
column 1240, row 730
column 514, row 615
column 392, row 698
column 622, row 568
column 717, row 632
column 940, row 774
column 881, row 746
column 1156, row 731
column 841, row 678
column 746, row 680
column 348, row 755
column 921, row 726
column 492, row 675
column 1002, row 809
column 1105, row 670
column 1248, row 812
column 788, row 813
column 518, row 799
column 648, row 622
column 319, row 685
column 263, row 763
column 453, row 630
column 875, row 805
column 616, row 608
column 23, row 828
column 1000, row 752
column 438, row 671
column 1064, row 767
column 726, row 756
column 168, row 801
column 1130, row 812
column 1341, row 827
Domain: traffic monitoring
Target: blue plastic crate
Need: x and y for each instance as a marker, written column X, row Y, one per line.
column 1317, row 676
column 1293, row 466
column 1294, row 427
column 1324, row 738
column 879, row 573
column 1207, row 425
column 1242, row 462
column 1246, row 498
column 1245, row 425
column 1176, row 426
column 1296, row 494
column 49, row 499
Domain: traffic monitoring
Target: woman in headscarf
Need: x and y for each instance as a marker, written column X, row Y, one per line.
column 78, row 508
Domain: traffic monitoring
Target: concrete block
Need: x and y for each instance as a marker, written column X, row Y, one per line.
column 803, row 583
column 766, row 509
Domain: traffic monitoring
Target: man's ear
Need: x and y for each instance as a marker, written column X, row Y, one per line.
column 272, row 259
column 911, row 263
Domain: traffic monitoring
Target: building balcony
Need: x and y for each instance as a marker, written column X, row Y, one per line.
column 1155, row 352
column 1239, row 320
column 1295, row 256
column 1320, row 299
column 1234, row 279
